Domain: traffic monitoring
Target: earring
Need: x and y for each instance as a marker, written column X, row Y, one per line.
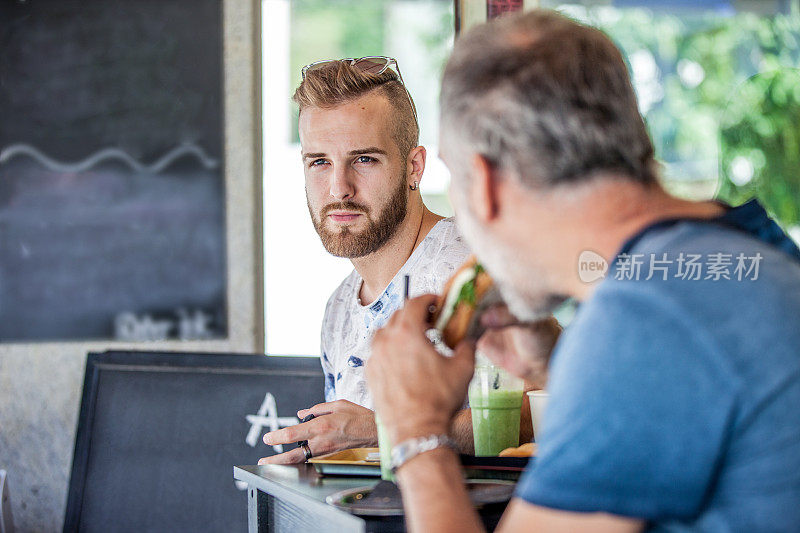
column 413, row 187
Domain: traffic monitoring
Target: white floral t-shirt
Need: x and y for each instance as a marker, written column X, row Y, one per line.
column 348, row 326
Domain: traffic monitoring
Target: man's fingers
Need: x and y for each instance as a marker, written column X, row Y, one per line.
column 493, row 343
column 288, row 435
column 416, row 310
column 292, row 457
column 551, row 325
column 464, row 353
column 320, row 409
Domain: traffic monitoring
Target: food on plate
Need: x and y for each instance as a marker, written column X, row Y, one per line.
column 526, row 450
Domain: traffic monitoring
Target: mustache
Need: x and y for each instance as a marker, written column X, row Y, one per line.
column 347, row 205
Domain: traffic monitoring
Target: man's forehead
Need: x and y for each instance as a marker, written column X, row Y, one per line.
column 362, row 122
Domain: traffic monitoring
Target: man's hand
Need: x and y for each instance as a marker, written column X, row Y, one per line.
column 338, row 425
column 522, row 349
column 416, row 390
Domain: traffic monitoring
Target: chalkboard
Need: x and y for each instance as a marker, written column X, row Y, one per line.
column 159, row 433
column 112, row 221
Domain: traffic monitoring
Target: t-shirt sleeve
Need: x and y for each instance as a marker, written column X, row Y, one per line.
column 640, row 407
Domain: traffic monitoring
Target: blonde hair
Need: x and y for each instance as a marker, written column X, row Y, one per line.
column 337, row 82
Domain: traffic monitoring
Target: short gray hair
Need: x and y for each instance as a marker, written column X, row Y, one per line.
column 546, row 98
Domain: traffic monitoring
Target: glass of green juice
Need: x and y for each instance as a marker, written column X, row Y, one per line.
column 495, row 399
column 385, row 446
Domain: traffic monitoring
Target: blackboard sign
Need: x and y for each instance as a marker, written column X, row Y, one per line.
column 159, row 434
column 112, row 222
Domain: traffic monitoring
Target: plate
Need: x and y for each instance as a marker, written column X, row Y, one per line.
column 353, row 462
column 365, row 462
column 517, row 464
column 358, row 501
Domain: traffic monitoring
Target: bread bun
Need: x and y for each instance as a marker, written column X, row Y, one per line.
column 526, row 450
column 457, row 307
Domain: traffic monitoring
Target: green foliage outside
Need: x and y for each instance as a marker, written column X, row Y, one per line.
column 761, row 144
column 325, row 29
column 328, row 29
column 725, row 99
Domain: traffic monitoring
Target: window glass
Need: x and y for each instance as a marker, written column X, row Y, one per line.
column 299, row 274
column 717, row 83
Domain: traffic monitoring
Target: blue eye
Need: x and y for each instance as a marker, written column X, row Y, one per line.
column 365, row 159
column 317, row 162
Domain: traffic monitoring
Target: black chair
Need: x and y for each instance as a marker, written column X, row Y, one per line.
column 6, row 523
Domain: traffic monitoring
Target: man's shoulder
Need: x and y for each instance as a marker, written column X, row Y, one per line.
column 445, row 243
column 699, row 266
column 705, row 238
column 690, row 299
column 445, row 235
column 444, row 252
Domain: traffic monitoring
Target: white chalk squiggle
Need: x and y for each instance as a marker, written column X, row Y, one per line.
column 108, row 154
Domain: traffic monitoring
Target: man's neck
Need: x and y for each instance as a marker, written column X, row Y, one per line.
column 380, row 267
column 599, row 216
column 619, row 213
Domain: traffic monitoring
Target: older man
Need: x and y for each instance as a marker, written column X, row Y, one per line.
column 674, row 391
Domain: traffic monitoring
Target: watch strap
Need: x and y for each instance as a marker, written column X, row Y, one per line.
column 410, row 448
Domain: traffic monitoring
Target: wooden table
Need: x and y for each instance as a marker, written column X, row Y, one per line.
column 292, row 499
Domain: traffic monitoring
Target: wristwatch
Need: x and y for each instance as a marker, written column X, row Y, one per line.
column 407, row 449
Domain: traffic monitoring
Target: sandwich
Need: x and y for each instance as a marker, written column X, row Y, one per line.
column 468, row 293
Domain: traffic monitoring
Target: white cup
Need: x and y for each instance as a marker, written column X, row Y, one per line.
column 538, row 403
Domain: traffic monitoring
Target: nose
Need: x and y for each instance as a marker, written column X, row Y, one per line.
column 342, row 187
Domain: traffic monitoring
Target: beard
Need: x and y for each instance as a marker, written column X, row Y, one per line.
column 524, row 287
column 344, row 242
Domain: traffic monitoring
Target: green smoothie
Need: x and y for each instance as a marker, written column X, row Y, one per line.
column 495, row 419
column 386, row 451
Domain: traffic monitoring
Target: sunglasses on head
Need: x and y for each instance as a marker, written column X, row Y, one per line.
column 370, row 65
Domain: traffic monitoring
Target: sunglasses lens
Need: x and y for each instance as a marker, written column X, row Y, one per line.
column 315, row 66
column 371, row 65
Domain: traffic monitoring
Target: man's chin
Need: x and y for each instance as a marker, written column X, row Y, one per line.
column 340, row 249
column 526, row 301
column 343, row 244
column 526, row 309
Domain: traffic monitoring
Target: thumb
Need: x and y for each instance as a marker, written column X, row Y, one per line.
column 464, row 355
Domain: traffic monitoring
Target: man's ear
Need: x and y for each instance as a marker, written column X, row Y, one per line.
column 483, row 188
column 416, row 165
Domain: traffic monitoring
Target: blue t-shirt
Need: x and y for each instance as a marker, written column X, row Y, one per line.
column 677, row 400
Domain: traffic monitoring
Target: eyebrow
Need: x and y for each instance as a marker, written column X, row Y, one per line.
column 370, row 150
column 360, row 151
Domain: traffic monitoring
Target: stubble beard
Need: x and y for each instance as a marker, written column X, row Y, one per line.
column 523, row 287
column 344, row 242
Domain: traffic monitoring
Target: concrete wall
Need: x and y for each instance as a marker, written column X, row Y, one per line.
column 41, row 384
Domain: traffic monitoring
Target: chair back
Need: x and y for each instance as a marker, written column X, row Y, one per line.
column 6, row 523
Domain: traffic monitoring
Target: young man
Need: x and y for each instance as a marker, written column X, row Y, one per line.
column 363, row 167
column 674, row 391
